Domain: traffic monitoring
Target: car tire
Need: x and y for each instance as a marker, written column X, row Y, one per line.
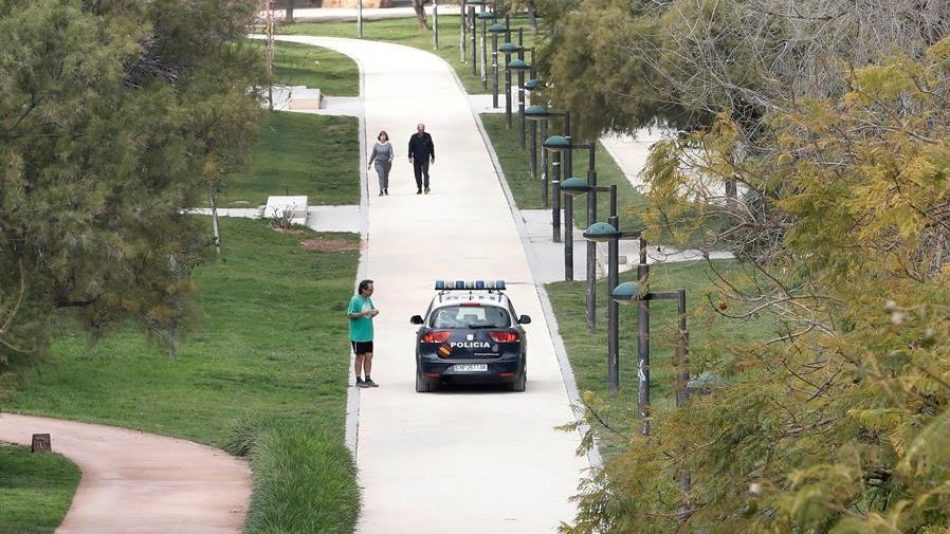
column 521, row 383
column 422, row 385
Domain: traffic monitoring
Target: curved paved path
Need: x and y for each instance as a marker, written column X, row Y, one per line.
column 460, row 461
column 133, row 482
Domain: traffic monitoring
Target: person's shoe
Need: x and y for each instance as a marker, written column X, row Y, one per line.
column 427, row 190
column 419, row 191
column 380, row 192
column 386, row 191
column 360, row 383
column 370, row 384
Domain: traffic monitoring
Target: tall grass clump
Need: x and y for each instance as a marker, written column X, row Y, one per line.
column 304, row 482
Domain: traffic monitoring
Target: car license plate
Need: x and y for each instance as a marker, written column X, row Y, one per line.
column 470, row 367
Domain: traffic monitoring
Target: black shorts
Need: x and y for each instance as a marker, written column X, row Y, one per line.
column 362, row 347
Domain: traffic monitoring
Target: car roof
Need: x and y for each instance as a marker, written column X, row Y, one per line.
column 454, row 298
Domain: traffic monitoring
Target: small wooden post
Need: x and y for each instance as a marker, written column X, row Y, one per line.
column 41, row 443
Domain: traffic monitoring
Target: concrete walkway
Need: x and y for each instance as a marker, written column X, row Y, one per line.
column 133, row 482
column 457, row 461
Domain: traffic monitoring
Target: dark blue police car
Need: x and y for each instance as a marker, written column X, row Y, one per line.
column 470, row 334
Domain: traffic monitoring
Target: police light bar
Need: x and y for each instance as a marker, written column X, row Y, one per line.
column 470, row 285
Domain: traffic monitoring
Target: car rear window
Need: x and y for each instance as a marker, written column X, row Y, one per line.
column 470, row 317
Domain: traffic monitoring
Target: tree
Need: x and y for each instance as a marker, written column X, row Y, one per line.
column 114, row 118
column 834, row 124
column 419, row 6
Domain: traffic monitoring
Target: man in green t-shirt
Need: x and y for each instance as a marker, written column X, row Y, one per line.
column 361, row 312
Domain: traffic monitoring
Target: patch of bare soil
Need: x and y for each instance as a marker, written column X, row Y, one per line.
column 289, row 231
column 329, row 244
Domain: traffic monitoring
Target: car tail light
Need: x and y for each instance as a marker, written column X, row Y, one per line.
column 436, row 337
column 501, row 336
column 470, row 305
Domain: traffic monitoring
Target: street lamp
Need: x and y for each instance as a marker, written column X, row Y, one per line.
column 467, row 12
column 542, row 114
column 519, row 66
column 485, row 16
column 495, row 29
column 529, row 86
column 639, row 292
column 508, row 48
column 559, row 146
column 472, row 18
column 573, row 188
column 607, row 232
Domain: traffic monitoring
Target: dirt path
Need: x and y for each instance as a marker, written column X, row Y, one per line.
column 133, row 482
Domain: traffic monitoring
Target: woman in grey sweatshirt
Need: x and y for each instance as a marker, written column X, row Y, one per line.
column 383, row 155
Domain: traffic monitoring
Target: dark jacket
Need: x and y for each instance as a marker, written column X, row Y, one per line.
column 421, row 147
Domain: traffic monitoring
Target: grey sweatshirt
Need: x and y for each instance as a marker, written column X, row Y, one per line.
column 381, row 152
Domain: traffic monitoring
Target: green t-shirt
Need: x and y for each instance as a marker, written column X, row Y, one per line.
column 361, row 329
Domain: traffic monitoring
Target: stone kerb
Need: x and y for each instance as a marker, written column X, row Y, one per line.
column 294, row 98
column 292, row 208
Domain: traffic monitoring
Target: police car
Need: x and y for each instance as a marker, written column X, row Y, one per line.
column 470, row 334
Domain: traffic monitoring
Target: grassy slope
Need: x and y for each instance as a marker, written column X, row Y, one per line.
column 333, row 73
column 271, row 348
column 263, row 372
column 35, row 490
column 300, row 154
column 527, row 190
column 272, row 341
column 588, row 352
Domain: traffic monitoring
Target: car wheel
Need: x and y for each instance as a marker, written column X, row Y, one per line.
column 522, row 383
column 422, row 385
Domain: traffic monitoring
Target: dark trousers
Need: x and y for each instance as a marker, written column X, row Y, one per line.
column 421, row 168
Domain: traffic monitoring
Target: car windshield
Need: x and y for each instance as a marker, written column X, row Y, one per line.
column 470, row 317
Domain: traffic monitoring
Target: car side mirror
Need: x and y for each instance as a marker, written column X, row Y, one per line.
column 524, row 319
column 416, row 319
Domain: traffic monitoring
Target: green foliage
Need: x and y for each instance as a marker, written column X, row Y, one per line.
column 840, row 422
column 300, row 154
column 114, row 117
column 303, row 482
column 35, row 490
column 269, row 343
column 600, row 61
column 267, row 360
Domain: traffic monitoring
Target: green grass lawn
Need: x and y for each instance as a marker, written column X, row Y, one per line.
column 335, row 74
column 405, row 32
column 300, row 154
column 271, row 347
column 588, row 352
column 35, row 490
column 527, row 190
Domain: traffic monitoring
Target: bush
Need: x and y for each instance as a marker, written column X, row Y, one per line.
column 303, row 482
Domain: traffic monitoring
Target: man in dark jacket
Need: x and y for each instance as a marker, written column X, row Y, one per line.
column 421, row 153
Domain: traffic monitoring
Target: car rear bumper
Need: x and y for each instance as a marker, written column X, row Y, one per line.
column 506, row 368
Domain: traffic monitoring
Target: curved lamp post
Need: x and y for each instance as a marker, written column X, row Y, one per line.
column 519, row 66
column 591, row 191
column 639, row 292
column 542, row 114
column 508, row 48
column 561, row 144
column 496, row 29
column 529, row 86
column 468, row 14
column 485, row 16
